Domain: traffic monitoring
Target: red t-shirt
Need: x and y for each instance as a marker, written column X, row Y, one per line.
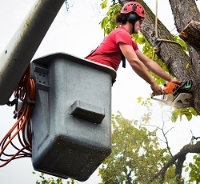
column 108, row 52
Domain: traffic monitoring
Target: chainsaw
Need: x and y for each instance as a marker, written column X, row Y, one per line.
column 176, row 95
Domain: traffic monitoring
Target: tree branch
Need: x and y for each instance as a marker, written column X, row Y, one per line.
column 180, row 157
column 191, row 35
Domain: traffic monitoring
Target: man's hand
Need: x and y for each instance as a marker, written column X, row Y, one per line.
column 176, row 81
column 157, row 90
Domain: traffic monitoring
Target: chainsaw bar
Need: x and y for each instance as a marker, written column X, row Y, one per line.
column 182, row 100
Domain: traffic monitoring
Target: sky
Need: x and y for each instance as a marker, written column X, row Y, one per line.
column 77, row 32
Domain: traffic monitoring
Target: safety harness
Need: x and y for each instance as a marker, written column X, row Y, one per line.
column 108, row 55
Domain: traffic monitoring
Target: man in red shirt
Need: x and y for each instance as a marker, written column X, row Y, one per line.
column 119, row 45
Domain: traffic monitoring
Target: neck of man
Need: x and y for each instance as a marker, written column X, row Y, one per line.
column 129, row 27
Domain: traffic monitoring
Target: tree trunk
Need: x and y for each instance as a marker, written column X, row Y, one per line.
column 183, row 66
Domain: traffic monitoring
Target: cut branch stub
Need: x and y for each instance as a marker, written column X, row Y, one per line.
column 191, row 35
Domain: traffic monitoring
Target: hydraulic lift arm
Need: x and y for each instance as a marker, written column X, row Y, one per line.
column 17, row 55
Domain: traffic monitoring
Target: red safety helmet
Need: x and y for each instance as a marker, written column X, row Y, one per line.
column 133, row 7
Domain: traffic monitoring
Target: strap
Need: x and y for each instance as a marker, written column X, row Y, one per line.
column 90, row 54
column 123, row 61
column 111, row 54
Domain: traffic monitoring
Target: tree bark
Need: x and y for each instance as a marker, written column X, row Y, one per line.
column 191, row 35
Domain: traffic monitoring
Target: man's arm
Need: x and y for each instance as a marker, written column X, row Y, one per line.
column 139, row 67
column 153, row 66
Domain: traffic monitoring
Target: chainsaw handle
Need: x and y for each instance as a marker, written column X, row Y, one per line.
column 179, row 87
column 190, row 83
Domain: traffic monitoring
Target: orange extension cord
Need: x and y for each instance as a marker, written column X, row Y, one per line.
column 25, row 92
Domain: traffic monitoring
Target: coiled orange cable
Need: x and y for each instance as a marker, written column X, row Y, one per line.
column 25, row 92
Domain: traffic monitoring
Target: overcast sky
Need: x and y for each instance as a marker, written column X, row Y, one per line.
column 77, row 32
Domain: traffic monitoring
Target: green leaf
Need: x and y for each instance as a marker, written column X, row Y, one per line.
column 104, row 4
column 174, row 116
